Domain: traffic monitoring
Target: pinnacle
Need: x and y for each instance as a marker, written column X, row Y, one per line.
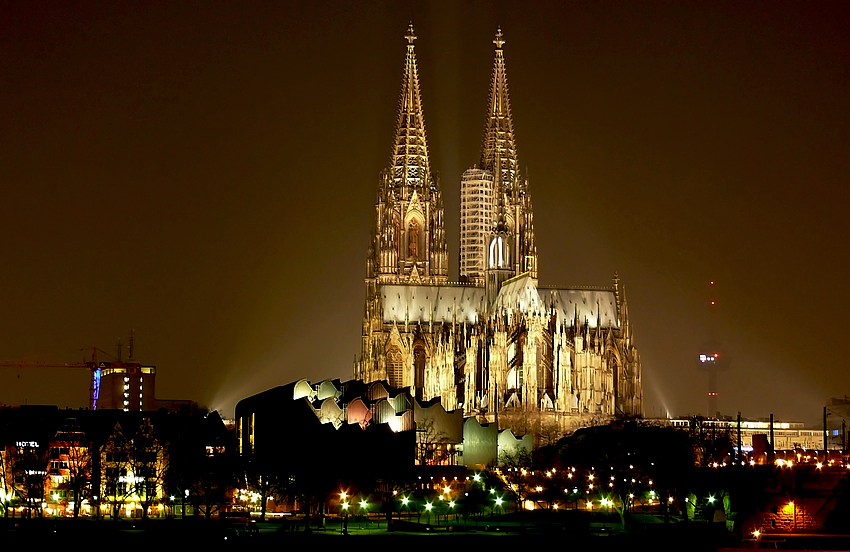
column 498, row 42
column 498, row 152
column 409, row 164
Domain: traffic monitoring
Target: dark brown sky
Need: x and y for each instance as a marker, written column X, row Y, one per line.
column 206, row 174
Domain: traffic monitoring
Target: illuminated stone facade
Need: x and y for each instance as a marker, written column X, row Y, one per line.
column 496, row 345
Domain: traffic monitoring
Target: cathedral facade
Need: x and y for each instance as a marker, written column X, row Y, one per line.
column 495, row 344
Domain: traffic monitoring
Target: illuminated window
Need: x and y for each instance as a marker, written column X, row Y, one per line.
column 239, row 436
column 395, row 367
column 251, row 432
column 419, row 360
column 497, row 255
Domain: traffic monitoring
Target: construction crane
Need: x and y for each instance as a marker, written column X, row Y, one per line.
column 91, row 365
column 127, row 371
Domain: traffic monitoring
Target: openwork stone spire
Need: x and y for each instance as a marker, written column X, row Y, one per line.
column 409, row 164
column 498, row 152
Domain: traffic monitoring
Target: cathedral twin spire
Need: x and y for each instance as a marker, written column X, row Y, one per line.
column 409, row 164
column 409, row 245
column 409, row 241
column 512, row 226
column 498, row 150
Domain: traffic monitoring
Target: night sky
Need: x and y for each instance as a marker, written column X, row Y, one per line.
column 205, row 173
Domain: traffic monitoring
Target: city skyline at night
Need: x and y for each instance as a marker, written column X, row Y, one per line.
column 207, row 178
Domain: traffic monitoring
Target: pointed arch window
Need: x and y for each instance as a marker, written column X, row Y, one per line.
column 419, row 358
column 497, row 253
column 395, row 367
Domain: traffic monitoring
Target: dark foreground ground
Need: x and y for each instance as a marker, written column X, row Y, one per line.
column 190, row 534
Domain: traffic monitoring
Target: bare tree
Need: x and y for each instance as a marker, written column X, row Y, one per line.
column 28, row 462
column 146, row 464
column 211, row 483
column 433, row 446
column 549, row 433
column 71, row 458
column 514, row 471
column 7, row 491
column 116, row 485
column 265, row 481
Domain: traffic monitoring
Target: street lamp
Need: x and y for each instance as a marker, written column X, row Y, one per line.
column 364, row 510
column 405, row 503
column 345, row 518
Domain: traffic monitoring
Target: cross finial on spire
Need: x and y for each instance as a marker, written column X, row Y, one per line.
column 410, row 36
column 499, row 41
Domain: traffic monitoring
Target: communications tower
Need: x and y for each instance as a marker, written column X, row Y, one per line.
column 711, row 357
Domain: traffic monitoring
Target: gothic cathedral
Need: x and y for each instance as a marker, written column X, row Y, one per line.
column 495, row 344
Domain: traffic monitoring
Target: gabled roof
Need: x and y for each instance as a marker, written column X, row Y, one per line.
column 417, row 303
column 594, row 307
column 518, row 293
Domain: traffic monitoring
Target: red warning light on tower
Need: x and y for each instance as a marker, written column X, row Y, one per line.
column 709, row 360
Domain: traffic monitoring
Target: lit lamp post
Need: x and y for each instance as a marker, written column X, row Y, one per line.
column 185, row 496
column 607, row 503
column 345, row 518
column 405, row 502
column 364, row 509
